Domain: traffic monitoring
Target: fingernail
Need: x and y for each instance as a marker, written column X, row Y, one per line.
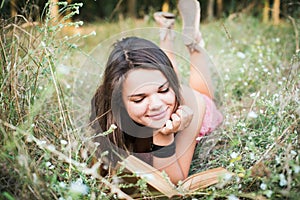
column 169, row 124
column 176, row 118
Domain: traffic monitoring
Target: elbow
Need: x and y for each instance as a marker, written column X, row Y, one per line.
column 176, row 177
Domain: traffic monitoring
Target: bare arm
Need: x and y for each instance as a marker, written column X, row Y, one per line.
column 178, row 165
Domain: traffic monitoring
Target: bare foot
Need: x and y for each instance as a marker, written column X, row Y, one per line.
column 190, row 13
column 166, row 22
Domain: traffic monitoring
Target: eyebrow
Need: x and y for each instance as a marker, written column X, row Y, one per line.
column 143, row 94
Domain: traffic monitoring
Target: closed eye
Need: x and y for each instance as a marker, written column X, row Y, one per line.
column 164, row 90
column 138, row 100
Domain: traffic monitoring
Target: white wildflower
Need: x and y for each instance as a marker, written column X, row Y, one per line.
column 105, row 167
column 48, row 164
column 93, row 33
column 51, row 147
column 268, row 193
column 35, row 178
column 63, row 69
column 241, row 55
column 252, row 114
column 29, row 138
column 113, row 127
column 283, row 181
column 293, row 152
column 234, row 155
column 296, row 169
column 41, row 142
column 79, row 187
column 232, row 197
column 63, row 142
column 62, row 185
column 227, row 177
column 263, row 186
column 277, row 159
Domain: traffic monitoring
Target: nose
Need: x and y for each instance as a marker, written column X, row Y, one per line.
column 155, row 102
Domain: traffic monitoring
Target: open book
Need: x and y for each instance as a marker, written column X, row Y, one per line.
column 159, row 181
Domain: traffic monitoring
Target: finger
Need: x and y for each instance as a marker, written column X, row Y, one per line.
column 168, row 128
column 169, row 124
column 181, row 113
column 186, row 115
column 176, row 121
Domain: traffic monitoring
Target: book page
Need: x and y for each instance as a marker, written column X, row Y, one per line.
column 203, row 179
column 152, row 175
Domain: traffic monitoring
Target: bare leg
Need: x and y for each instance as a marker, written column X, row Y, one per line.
column 200, row 77
column 166, row 23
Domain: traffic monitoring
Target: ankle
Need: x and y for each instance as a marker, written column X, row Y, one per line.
column 166, row 23
column 197, row 44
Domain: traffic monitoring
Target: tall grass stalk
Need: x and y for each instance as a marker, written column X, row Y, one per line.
column 40, row 150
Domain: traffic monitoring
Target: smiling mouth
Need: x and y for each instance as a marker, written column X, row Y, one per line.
column 158, row 116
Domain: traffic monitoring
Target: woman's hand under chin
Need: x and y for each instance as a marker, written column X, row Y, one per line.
column 179, row 121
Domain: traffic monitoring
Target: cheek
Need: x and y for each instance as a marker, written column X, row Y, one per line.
column 170, row 98
column 136, row 110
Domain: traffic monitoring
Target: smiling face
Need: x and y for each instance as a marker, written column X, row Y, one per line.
column 148, row 98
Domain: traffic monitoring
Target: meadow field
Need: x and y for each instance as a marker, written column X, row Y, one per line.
column 49, row 72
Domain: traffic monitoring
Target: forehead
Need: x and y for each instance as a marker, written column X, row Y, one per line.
column 143, row 79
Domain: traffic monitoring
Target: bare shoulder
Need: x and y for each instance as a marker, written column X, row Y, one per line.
column 193, row 98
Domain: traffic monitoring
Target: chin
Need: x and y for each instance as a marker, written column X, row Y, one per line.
column 157, row 124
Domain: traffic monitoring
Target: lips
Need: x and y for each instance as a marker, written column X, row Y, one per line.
column 159, row 115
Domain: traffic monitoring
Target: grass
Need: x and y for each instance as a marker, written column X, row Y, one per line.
column 45, row 148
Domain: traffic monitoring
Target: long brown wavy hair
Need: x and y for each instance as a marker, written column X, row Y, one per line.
column 107, row 106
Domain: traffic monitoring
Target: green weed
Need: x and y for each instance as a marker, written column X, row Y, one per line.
column 45, row 156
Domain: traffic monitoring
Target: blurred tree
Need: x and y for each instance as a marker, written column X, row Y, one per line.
column 210, row 10
column 219, row 8
column 276, row 12
column 266, row 10
column 131, row 8
column 13, row 8
column 166, row 6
